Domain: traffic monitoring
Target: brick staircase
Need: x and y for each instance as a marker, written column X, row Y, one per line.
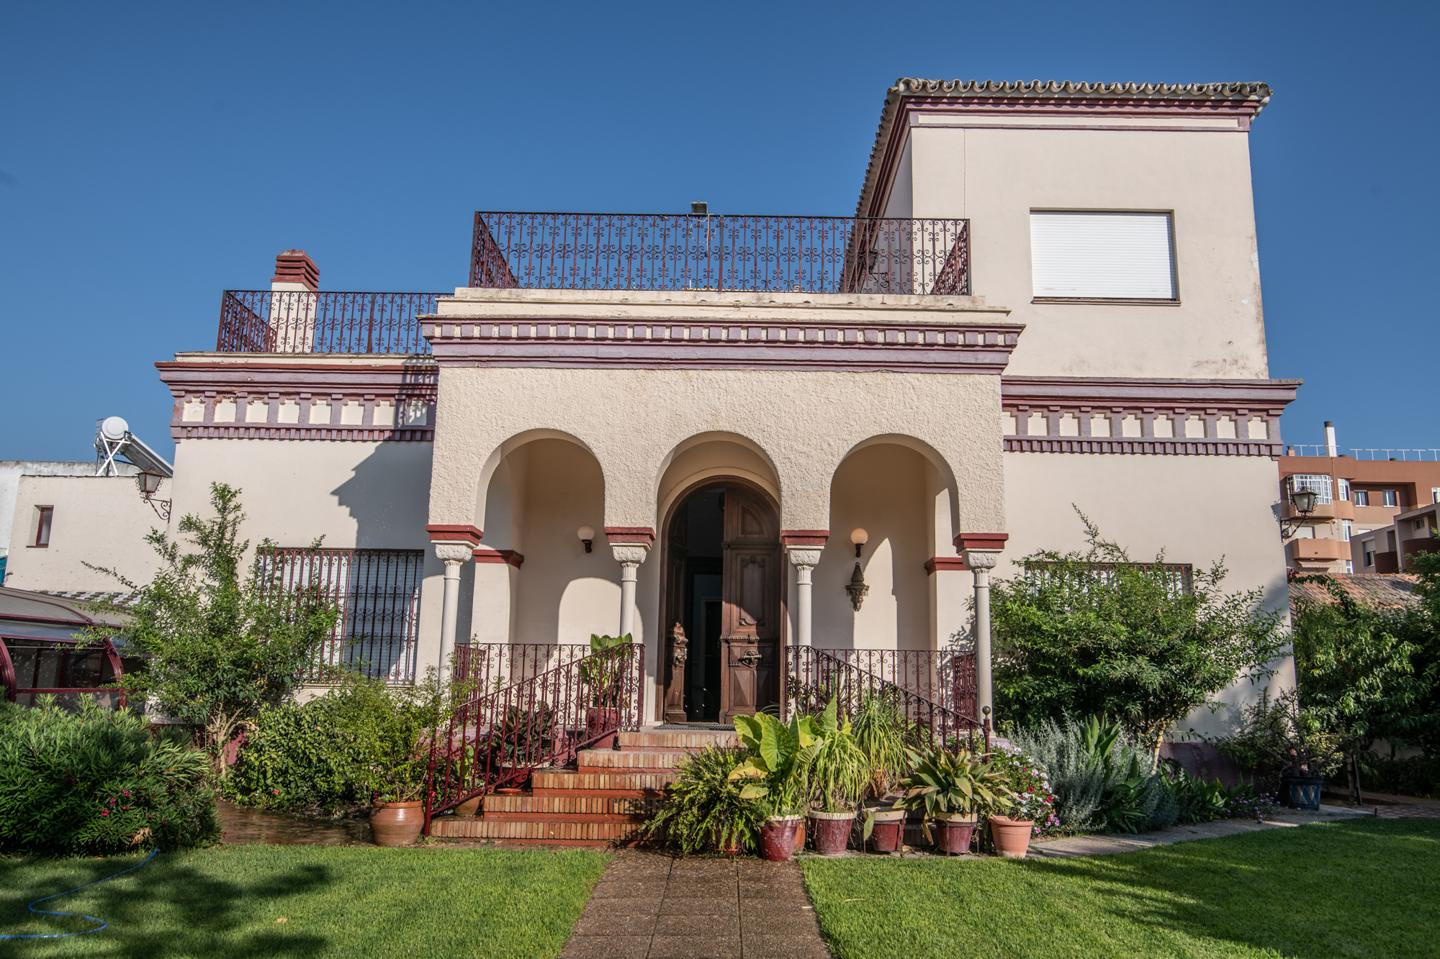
column 601, row 802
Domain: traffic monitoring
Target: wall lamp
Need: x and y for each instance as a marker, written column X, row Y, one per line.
column 586, row 535
column 857, row 587
column 1304, row 502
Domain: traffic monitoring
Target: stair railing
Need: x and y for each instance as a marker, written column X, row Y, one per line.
column 498, row 737
column 933, row 690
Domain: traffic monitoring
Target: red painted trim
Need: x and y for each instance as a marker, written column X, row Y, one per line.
column 1151, row 447
column 485, row 554
column 944, row 564
column 454, row 533
column 630, row 535
column 982, row 541
column 804, row 537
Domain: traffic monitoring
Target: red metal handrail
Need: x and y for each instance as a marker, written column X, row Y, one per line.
column 935, row 689
column 499, row 737
column 771, row 254
column 330, row 321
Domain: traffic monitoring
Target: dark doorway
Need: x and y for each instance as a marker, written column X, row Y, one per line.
column 722, row 598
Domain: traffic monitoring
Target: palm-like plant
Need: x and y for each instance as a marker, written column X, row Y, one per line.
column 946, row 783
column 835, row 767
column 880, row 729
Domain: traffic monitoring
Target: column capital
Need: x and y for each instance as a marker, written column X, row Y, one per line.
column 629, row 554
column 453, row 553
column 978, row 560
column 803, row 557
column 454, row 533
column 799, row 538
column 643, row 536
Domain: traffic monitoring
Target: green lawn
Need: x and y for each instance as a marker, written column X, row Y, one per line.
column 300, row 901
column 1362, row 888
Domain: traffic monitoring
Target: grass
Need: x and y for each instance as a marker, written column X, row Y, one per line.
column 1360, row 888
column 304, row 901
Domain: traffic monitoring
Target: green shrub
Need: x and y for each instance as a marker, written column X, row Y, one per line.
column 1408, row 776
column 96, row 781
column 703, row 811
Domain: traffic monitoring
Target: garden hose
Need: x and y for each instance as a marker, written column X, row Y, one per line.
column 100, row 925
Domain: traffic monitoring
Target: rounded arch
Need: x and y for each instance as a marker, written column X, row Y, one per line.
column 498, row 456
column 714, row 456
column 944, row 474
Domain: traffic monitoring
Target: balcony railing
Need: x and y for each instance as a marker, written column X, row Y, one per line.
column 266, row 321
column 769, row 254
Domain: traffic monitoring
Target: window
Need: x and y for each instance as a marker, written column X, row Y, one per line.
column 1104, row 256
column 1392, row 498
column 1344, row 488
column 44, row 519
column 1369, row 556
column 1347, row 528
column 1179, row 578
column 1362, row 497
column 1435, row 494
column 1349, row 566
column 1318, row 483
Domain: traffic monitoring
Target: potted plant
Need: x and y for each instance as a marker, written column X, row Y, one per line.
column 1024, row 800
column 838, row 772
column 880, row 729
column 1310, row 755
column 950, row 789
column 773, row 775
column 702, row 810
column 602, row 676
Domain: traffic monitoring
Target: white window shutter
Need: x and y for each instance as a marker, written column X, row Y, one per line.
column 1102, row 255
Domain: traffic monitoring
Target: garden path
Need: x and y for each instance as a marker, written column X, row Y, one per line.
column 1105, row 845
column 651, row 906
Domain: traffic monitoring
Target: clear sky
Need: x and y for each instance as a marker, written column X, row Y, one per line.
column 153, row 154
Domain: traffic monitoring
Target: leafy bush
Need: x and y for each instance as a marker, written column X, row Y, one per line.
column 97, row 782
column 1276, row 738
column 1408, row 776
column 1028, row 794
column 881, row 731
column 703, row 810
column 774, row 768
column 332, row 755
column 836, row 769
column 946, row 783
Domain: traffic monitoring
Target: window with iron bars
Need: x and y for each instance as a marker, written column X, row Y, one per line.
column 377, row 592
column 1179, row 577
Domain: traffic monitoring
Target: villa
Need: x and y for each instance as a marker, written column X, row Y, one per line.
column 771, row 449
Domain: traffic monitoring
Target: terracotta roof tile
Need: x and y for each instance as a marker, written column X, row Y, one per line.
column 1378, row 590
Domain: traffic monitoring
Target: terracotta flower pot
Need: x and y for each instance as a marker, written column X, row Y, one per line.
column 601, row 725
column 777, row 838
column 885, row 833
column 800, row 834
column 1012, row 836
column 953, row 833
column 396, row 823
column 832, row 831
column 469, row 807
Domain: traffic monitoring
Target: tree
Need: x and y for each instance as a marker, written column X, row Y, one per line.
column 1422, row 722
column 1094, row 633
column 219, row 640
column 1356, row 670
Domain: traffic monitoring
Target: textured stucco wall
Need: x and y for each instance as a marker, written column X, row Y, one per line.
column 805, row 423
column 97, row 519
column 997, row 176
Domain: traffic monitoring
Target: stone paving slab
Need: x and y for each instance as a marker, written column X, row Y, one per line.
column 1106, row 845
column 650, row 906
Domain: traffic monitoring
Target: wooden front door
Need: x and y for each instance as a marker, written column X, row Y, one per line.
column 750, row 613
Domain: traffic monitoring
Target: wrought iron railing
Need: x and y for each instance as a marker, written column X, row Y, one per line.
column 499, row 736
column 771, row 254
column 489, row 666
column 279, row 321
column 933, row 689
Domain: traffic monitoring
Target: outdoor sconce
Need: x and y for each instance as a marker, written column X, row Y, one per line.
column 1304, row 501
column 857, row 587
column 149, row 483
column 586, row 535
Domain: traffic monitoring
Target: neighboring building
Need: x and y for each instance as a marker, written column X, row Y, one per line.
column 58, row 647
column 1355, row 495
column 1048, row 299
column 1392, row 549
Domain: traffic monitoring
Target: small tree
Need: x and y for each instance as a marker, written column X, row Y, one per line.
column 1094, row 633
column 1356, row 670
column 220, row 640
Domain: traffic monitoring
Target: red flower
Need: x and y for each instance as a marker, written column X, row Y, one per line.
column 125, row 793
column 104, row 812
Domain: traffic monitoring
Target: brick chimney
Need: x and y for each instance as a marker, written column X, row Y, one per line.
column 295, row 269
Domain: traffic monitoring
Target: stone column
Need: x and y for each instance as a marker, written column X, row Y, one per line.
column 804, row 559
column 452, row 555
column 629, row 556
column 981, row 564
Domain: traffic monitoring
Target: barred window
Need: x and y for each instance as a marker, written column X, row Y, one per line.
column 1317, row 483
column 1180, row 577
column 378, row 595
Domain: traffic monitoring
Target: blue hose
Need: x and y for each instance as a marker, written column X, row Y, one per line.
column 100, row 925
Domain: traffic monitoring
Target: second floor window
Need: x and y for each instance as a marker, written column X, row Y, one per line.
column 44, row 518
column 1317, row 483
column 1392, row 498
column 1362, row 497
column 1344, row 485
column 1347, row 529
column 1435, row 494
column 1102, row 256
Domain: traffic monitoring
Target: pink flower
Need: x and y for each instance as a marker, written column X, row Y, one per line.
column 125, row 793
column 104, row 812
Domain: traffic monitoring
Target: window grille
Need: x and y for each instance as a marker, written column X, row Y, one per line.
column 1318, row 483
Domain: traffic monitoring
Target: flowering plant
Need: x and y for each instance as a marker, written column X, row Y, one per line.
column 1031, row 797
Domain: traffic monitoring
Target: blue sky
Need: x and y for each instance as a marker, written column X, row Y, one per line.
column 153, row 154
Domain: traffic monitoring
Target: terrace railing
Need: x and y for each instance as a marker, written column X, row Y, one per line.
column 279, row 321
column 770, row 254
column 934, row 689
column 499, row 736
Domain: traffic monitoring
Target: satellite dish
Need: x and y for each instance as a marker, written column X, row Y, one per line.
column 114, row 428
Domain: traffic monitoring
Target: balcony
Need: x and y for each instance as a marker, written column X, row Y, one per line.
column 758, row 254
column 281, row 321
column 1300, row 552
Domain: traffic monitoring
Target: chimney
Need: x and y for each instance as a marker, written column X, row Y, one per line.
column 294, row 269
column 1330, row 448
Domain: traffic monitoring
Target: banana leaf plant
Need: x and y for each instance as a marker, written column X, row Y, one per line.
column 773, row 773
column 948, row 783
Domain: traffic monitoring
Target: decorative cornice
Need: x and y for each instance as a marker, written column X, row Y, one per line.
column 1202, row 417
column 965, row 542
column 784, row 344
column 944, row 564
column 630, row 535
column 1240, row 100
column 224, row 399
column 454, row 533
column 487, row 555
column 804, row 538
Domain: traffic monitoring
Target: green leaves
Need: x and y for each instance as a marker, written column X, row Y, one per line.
column 946, row 783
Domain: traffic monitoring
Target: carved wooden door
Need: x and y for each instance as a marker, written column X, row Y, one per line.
column 750, row 619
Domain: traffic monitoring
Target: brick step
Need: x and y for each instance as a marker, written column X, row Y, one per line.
column 478, row 827
column 529, row 843
column 619, row 783
column 592, row 760
column 631, row 818
column 563, row 803
column 668, row 740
